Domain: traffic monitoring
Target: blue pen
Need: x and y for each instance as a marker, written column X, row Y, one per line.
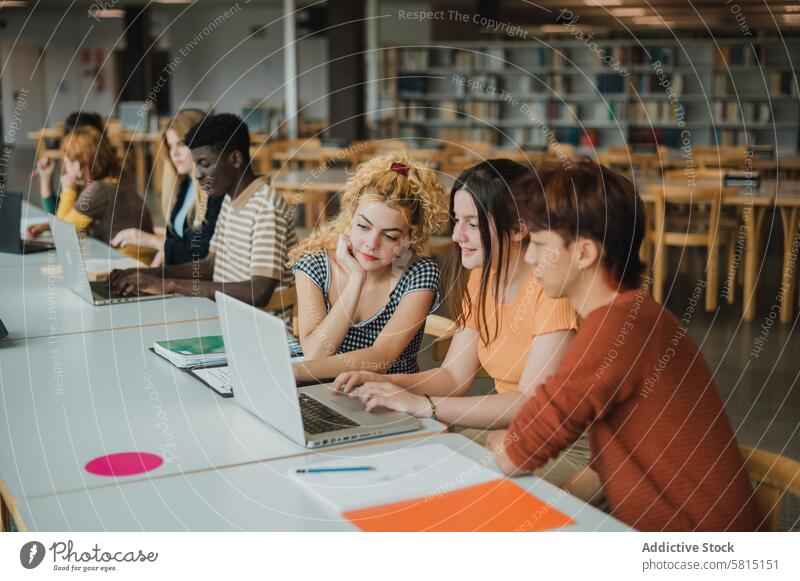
column 344, row 469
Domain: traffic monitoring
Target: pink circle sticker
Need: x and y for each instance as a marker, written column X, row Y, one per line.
column 124, row 464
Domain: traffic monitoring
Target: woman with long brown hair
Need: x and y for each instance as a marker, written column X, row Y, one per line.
column 505, row 323
column 192, row 214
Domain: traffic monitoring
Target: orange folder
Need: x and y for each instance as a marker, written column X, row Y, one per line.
column 494, row 506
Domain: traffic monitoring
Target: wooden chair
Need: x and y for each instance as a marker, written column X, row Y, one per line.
column 283, row 300
column 700, row 229
column 677, row 175
column 729, row 220
column 773, row 476
column 304, row 153
column 723, row 156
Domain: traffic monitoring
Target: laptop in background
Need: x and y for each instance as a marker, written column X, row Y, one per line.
column 11, row 240
column 76, row 279
column 264, row 384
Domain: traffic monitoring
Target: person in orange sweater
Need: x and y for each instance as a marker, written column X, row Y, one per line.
column 660, row 441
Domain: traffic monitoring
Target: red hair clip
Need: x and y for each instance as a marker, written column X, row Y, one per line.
column 400, row 168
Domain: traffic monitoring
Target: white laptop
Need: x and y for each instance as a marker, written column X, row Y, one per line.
column 264, row 383
column 76, row 279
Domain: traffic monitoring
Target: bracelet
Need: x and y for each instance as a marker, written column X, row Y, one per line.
column 433, row 407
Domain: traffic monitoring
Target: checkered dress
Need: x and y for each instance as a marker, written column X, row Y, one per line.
column 423, row 274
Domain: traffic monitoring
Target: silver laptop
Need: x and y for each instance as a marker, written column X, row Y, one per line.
column 76, row 279
column 264, row 383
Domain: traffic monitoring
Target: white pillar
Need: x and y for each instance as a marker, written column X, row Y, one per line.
column 373, row 66
column 290, row 68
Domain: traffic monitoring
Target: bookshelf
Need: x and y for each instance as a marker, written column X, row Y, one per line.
column 512, row 94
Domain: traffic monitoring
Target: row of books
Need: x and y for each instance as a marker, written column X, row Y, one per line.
column 647, row 83
column 647, row 136
column 454, row 110
column 667, row 56
column 779, row 84
column 733, row 137
column 652, row 112
column 733, row 112
column 740, row 54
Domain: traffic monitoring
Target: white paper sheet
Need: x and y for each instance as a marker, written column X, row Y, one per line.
column 418, row 472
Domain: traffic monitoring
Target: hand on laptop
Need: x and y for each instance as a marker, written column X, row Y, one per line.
column 133, row 282
column 34, row 230
column 388, row 395
column 349, row 380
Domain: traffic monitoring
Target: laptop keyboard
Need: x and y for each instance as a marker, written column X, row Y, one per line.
column 319, row 418
column 101, row 289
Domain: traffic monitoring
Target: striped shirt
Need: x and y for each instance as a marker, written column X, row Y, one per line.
column 253, row 236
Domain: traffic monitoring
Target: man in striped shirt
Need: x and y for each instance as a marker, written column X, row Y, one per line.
column 254, row 232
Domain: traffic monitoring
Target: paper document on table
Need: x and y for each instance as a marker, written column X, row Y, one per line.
column 418, row 472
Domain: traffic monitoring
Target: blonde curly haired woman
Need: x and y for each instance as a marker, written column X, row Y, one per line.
column 364, row 287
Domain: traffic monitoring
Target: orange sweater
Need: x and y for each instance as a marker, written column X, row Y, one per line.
column 660, row 440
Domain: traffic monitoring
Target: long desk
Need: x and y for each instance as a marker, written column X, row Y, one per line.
column 68, row 400
column 37, row 305
column 254, row 497
column 89, row 387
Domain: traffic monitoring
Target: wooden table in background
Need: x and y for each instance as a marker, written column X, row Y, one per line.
column 784, row 195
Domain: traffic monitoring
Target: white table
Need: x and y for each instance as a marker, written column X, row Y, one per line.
column 32, row 214
column 66, row 401
column 36, row 304
column 257, row 497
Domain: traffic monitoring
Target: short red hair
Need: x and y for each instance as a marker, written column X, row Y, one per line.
column 590, row 200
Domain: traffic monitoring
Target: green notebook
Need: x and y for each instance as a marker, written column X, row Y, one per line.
column 192, row 351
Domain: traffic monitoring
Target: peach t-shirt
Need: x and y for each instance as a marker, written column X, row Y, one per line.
column 531, row 314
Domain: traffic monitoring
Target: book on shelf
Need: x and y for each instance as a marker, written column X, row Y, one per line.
column 559, row 111
column 559, row 58
column 641, row 136
column 492, row 59
column 607, row 111
column 560, row 84
column 588, row 138
column 666, row 55
column 412, row 111
column 649, row 83
column 733, row 137
column 740, row 55
column 782, row 84
column 411, row 85
column 610, row 83
column 413, row 59
column 616, row 55
column 652, row 112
